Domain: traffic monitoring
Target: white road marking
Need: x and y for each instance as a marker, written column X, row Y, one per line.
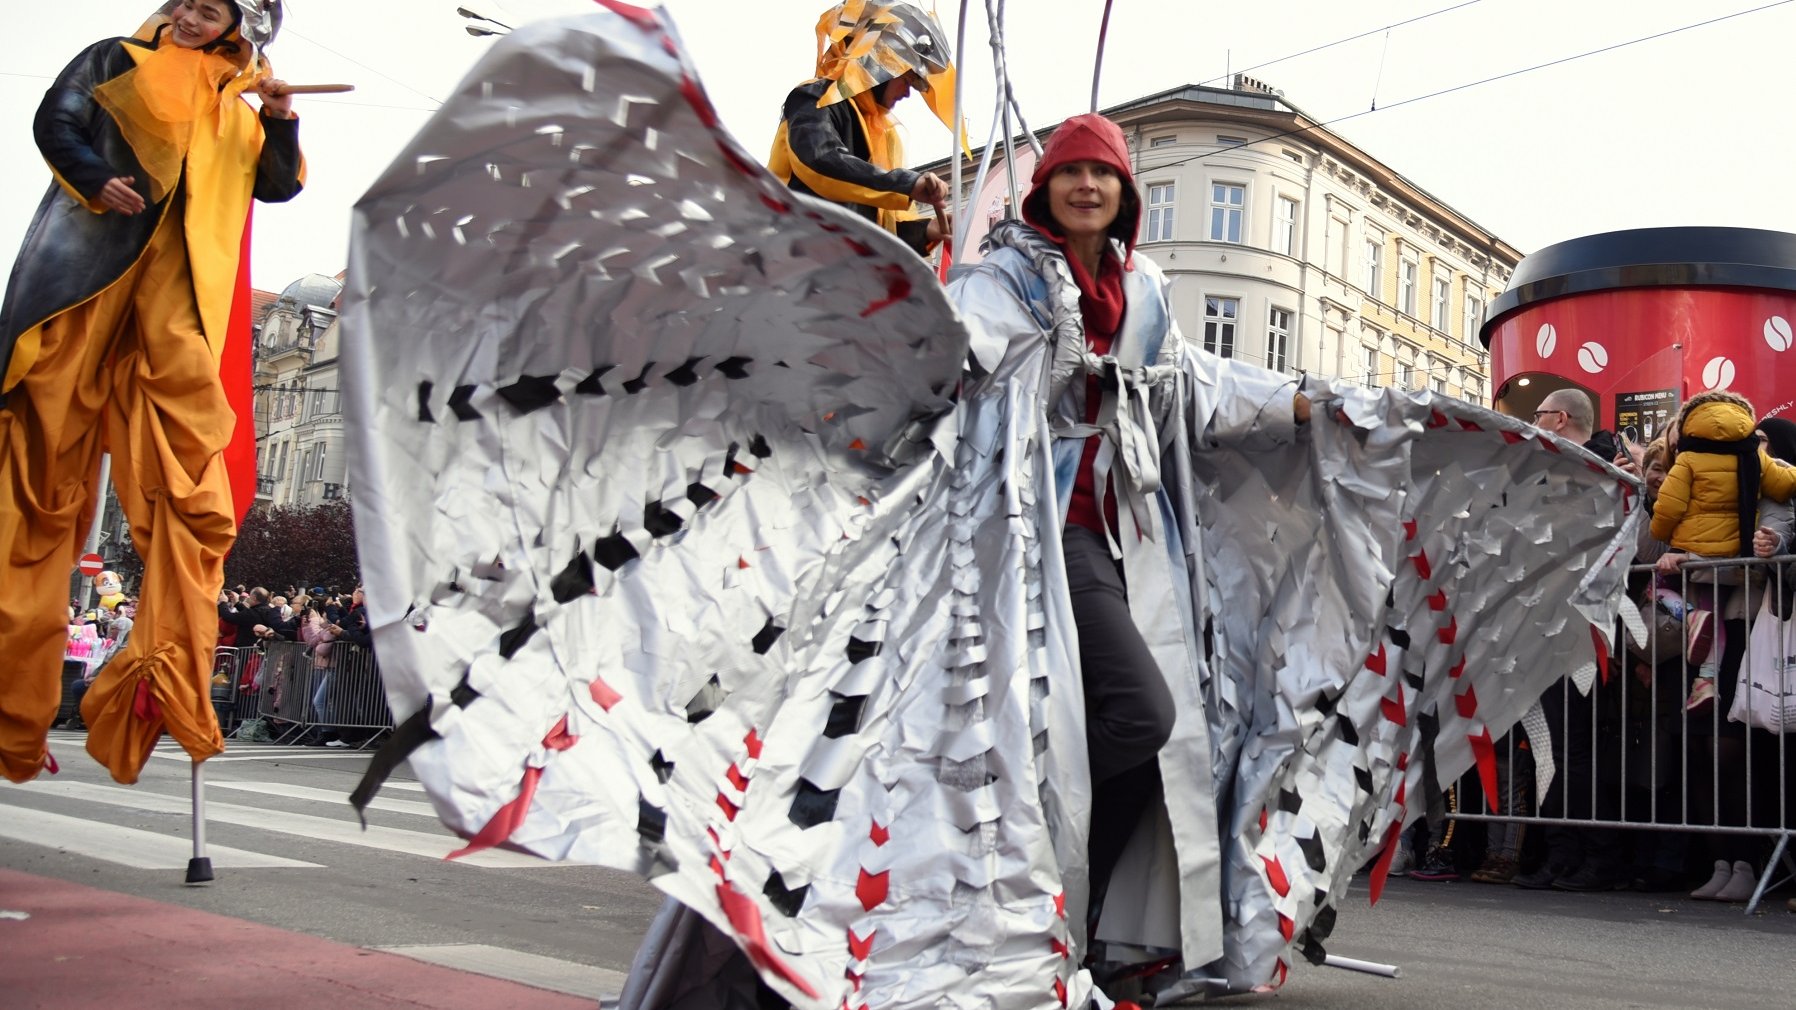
column 143, row 850
column 324, row 829
column 325, row 796
column 303, row 754
column 517, row 966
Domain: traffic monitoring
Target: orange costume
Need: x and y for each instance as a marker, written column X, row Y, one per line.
column 118, row 334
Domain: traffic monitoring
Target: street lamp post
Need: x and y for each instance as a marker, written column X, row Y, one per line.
column 481, row 30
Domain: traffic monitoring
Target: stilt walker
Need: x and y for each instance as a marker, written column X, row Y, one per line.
column 125, row 330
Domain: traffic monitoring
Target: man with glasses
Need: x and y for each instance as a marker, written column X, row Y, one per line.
column 1579, row 859
column 1570, row 414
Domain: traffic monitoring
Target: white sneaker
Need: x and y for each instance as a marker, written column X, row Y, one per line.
column 335, row 743
column 1709, row 891
column 1741, row 885
column 1403, row 861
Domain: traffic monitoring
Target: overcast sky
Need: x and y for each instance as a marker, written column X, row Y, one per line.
column 1692, row 128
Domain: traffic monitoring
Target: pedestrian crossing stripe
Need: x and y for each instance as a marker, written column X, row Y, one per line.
column 293, row 792
column 235, row 751
column 143, row 850
column 550, row 973
column 433, row 845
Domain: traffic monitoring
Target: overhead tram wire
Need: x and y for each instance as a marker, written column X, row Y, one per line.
column 1473, row 84
column 1342, row 42
column 373, row 70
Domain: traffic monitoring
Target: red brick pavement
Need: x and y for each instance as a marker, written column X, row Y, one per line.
column 83, row 947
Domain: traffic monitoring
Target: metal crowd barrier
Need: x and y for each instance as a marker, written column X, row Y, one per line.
column 1631, row 754
column 294, row 691
column 233, row 696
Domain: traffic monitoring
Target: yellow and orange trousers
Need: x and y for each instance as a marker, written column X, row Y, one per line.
column 129, row 371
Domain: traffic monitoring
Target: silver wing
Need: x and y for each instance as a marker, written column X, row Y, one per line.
column 1404, row 586
column 676, row 557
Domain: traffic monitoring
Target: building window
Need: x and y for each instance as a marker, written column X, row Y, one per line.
column 1166, row 141
column 1474, row 314
column 1219, row 325
column 1227, row 202
column 1443, row 287
column 1284, row 230
column 1370, row 376
column 1406, row 285
column 1294, row 156
column 1227, row 141
column 1440, row 384
column 1278, row 338
column 1406, row 373
column 1374, row 279
column 1159, row 212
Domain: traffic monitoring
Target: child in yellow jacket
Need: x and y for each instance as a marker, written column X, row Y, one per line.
column 1708, row 505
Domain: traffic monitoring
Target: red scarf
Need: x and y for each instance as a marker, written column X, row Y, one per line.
column 1101, row 306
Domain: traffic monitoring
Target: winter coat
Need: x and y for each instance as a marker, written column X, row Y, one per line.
column 1698, row 506
column 320, row 643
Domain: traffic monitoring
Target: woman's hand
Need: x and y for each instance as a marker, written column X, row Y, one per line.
column 277, row 101
column 118, row 196
column 1668, row 564
column 1765, row 543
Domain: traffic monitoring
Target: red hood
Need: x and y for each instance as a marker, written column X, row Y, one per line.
column 1090, row 137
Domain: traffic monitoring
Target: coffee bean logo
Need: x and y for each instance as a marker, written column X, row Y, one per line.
column 1777, row 333
column 1718, row 373
column 1546, row 340
column 1593, row 357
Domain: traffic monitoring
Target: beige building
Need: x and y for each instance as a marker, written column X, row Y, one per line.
column 1289, row 247
column 299, row 418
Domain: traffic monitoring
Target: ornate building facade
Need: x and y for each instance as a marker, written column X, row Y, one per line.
column 299, row 417
column 1289, row 247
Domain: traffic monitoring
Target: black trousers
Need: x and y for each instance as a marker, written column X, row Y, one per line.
column 1128, row 708
column 1587, row 742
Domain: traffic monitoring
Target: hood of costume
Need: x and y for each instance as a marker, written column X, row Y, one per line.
column 860, row 46
column 173, row 119
column 1089, row 137
column 1711, row 493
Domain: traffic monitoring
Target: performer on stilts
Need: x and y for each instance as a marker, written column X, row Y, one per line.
column 838, row 139
column 117, row 318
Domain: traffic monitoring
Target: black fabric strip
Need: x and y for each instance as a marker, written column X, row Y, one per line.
column 411, row 734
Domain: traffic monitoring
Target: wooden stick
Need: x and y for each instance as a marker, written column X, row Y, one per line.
column 317, row 89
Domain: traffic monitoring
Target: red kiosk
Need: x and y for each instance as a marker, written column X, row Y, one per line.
column 1643, row 319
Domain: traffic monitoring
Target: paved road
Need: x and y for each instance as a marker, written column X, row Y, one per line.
column 290, row 854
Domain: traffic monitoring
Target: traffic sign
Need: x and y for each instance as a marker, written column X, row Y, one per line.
column 91, row 565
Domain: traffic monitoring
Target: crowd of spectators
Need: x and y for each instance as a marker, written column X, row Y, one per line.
column 1658, row 740
column 324, row 619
